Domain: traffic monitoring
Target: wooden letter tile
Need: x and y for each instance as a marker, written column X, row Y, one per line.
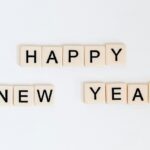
column 137, row 93
column 95, row 56
column 73, row 56
column 116, row 93
column 94, row 92
column 115, row 54
column 6, row 95
column 23, row 95
column 52, row 56
column 30, row 56
column 44, row 94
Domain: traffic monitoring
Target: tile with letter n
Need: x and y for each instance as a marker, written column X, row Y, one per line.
column 6, row 95
column 94, row 92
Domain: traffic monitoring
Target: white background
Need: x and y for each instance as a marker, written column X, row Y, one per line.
column 69, row 124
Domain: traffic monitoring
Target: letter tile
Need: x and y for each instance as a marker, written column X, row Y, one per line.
column 44, row 94
column 95, row 56
column 137, row 93
column 6, row 95
column 23, row 95
column 149, row 92
column 30, row 56
column 115, row 54
column 52, row 56
column 116, row 93
column 94, row 92
column 73, row 56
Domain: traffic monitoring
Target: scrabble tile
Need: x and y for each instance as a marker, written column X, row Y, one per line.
column 94, row 92
column 23, row 95
column 115, row 54
column 116, row 93
column 6, row 95
column 149, row 92
column 137, row 93
column 95, row 56
column 30, row 56
column 73, row 56
column 44, row 94
column 52, row 56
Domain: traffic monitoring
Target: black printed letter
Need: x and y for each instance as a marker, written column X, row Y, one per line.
column 138, row 94
column 52, row 57
column 95, row 92
column 97, row 54
column 116, row 53
column 48, row 97
column 21, row 96
column 115, row 93
column 72, row 56
column 4, row 97
column 28, row 56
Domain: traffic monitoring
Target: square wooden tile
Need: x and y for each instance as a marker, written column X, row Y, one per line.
column 44, row 94
column 95, row 56
column 149, row 92
column 52, row 56
column 94, row 92
column 115, row 54
column 6, row 95
column 30, row 56
column 116, row 93
column 138, row 93
column 73, row 56
column 23, row 95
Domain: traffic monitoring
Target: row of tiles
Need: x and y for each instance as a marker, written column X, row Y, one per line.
column 26, row 95
column 94, row 92
column 72, row 55
column 116, row 93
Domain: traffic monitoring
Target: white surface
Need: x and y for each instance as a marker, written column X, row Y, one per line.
column 69, row 124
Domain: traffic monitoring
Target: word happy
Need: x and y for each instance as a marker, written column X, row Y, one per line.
column 72, row 55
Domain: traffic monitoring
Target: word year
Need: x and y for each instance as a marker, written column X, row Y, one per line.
column 115, row 93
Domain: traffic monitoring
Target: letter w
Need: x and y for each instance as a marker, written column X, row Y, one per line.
column 45, row 94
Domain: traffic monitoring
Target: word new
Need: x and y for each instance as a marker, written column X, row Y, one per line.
column 72, row 55
column 26, row 95
column 113, row 93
